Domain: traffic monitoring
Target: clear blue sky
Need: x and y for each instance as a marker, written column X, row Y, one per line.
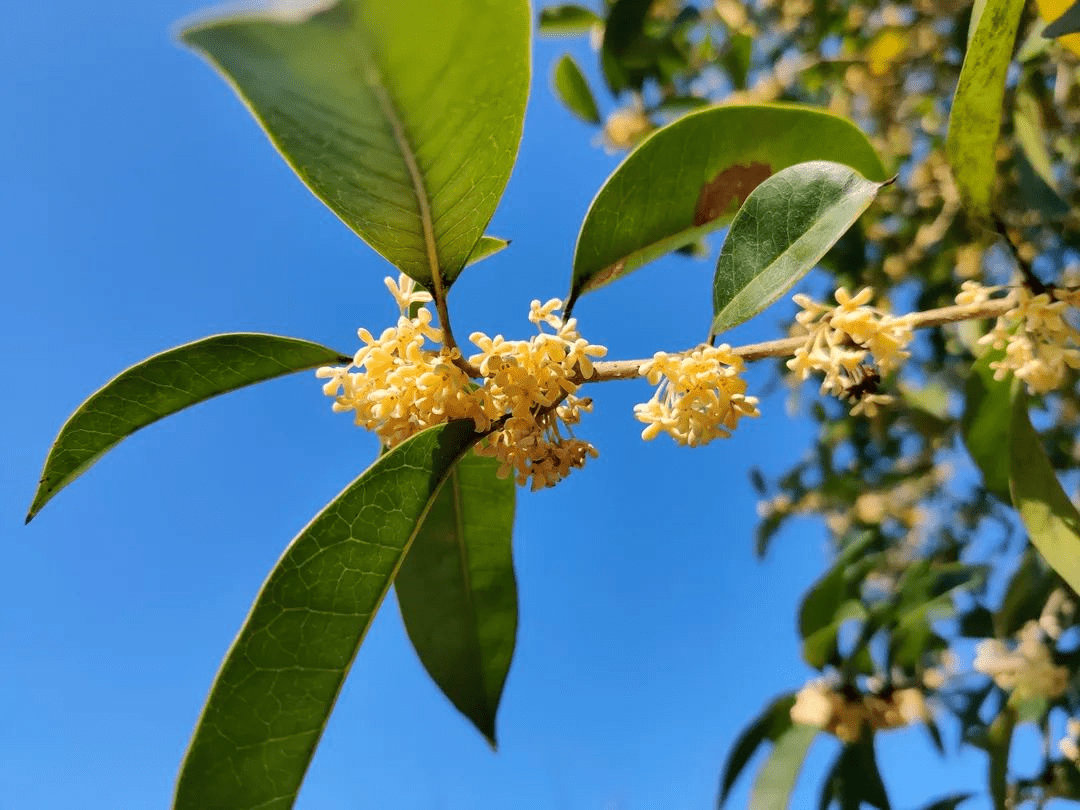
column 142, row 208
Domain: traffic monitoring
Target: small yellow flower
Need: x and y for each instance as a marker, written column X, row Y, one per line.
column 1039, row 340
column 397, row 385
column 700, row 396
column 841, row 340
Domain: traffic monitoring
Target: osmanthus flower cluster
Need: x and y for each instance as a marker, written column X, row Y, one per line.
column 845, row 711
column 1039, row 342
column 1025, row 668
column 841, row 339
column 397, row 385
column 700, row 395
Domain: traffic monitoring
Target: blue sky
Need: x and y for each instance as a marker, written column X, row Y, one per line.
column 142, row 208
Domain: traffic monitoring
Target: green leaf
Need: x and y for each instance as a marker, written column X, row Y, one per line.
column 1031, row 135
column 833, row 600
column 688, row 178
column 572, row 88
column 1025, row 596
column 457, row 593
column 567, row 20
column 628, row 53
column 776, row 779
column 985, row 423
column 998, row 743
column 949, row 802
column 1067, row 23
column 975, row 118
column 403, row 117
column 858, row 780
column 1051, row 519
column 277, row 686
column 769, row 725
column 782, row 230
column 487, row 246
column 164, row 384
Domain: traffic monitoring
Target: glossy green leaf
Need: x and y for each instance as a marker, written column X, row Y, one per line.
column 572, row 88
column 277, row 686
column 1051, row 519
column 776, row 779
column 164, row 384
column 567, row 20
column 975, row 118
column 457, row 592
column 1067, row 23
column 985, row 423
column 769, row 726
column 787, row 224
column 487, row 246
column 403, row 117
column 688, row 179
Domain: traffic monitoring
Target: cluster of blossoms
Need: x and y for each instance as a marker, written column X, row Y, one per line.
column 396, row 386
column 844, row 712
column 1026, row 669
column 700, row 395
column 1068, row 746
column 1039, row 343
column 840, row 340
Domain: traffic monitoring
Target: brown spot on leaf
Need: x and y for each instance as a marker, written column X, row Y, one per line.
column 605, row 276
column 732, row 184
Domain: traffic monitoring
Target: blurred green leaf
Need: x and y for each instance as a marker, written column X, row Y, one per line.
column 975, row 117
column 629, row 54
column 737, row 59
column 776, row 779
column 486, row 247
column 769, row 726
column 403, row 117
column 1031, row 135
column 164, row 384
column 277, row 686
column 782, row 230
column 457, row 593
column 703, row 166
column 1051, row 519
column 998, row 743
column 985, row 423
column 1028, row 589
column 855, row 779
column 833, row 600
column 572, row 88
column 567, row 20
column 949, row 802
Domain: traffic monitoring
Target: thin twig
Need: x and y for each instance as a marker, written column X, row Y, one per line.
column 785, row 347
column 1033, row 282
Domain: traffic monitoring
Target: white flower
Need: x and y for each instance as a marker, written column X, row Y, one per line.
column 1026, row 669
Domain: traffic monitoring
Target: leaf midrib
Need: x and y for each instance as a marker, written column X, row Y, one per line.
column 397, row 129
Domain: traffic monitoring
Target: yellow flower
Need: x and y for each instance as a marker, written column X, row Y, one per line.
column 397, row 386
column 841, row 340
column 700, row 396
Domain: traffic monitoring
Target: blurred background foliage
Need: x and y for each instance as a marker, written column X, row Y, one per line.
column 937, row 611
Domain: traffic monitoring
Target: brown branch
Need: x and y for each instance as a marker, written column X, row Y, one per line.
column 785, row 347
